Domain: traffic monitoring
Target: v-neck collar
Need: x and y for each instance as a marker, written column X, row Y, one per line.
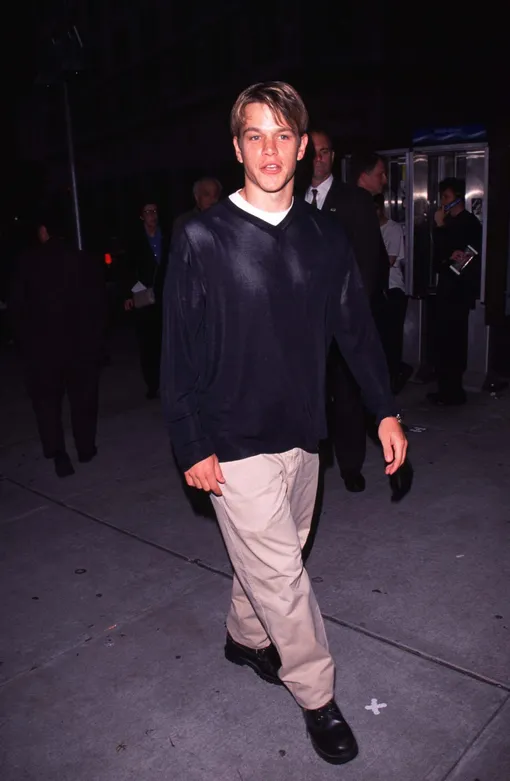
column 259, row 221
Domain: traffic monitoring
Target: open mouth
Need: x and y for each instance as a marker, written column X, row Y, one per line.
column 272, row 169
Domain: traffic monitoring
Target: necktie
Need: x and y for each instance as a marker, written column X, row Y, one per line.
column 314, row 198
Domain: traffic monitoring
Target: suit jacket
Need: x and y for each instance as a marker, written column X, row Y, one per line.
column 58, row 303
column 182, row 219
column 141, row 265
column 355, row 209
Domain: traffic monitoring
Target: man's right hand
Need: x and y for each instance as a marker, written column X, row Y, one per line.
column 206, row 475
column 439, row 217
column 129, row 304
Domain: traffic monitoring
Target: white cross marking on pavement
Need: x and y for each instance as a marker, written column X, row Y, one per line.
column 374, row 706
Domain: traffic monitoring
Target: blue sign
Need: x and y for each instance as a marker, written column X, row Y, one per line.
column 469, row 134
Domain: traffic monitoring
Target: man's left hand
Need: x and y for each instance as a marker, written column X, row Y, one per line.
column 394, row 444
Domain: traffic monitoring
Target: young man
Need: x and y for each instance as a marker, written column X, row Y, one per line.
column 257, row 287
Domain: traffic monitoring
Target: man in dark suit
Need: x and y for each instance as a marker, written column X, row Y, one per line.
column 58, row 306
column 353, row 205
column 146, row 261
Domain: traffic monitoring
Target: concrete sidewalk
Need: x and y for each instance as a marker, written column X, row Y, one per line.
column 115, row 591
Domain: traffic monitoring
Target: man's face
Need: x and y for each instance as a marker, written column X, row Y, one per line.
column 268, row 148
column 323, row 157
column 149, row 215
column 447, row 197
column 207, row 195
column 376, row 180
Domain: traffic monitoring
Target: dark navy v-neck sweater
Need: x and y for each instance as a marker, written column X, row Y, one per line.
column 250, row 310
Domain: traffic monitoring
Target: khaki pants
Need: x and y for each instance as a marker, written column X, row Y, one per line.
column 265, row 515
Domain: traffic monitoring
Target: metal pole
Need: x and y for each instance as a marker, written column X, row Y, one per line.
column 70, row 147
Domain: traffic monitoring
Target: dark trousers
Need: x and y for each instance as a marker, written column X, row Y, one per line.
column 346, row 415
column 149, row 330
column 395, row 315
column 48, row 382
column 451, row 344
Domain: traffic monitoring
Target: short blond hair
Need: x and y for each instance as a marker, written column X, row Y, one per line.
column 283, row 100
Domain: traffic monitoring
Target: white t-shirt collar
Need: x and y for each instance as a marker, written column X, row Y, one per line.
column 274, row 218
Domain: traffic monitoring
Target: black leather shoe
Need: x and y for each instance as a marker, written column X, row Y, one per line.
column 63, row 465
column 330, row 734
column 265, row 661
column 85, row 456
column 456, row 400
column 355, row 482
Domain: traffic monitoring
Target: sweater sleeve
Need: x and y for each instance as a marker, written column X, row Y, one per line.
column 183, row 346
column 357, row 338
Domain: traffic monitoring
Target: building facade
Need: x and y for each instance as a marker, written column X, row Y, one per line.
column 151, row 98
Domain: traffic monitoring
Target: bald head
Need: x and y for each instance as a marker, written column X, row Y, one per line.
column 323, row 156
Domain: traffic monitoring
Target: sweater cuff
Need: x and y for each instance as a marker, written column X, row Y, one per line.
column 389, row 410
column 187, row 455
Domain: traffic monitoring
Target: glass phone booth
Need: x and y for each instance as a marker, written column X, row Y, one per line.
column 412, row 197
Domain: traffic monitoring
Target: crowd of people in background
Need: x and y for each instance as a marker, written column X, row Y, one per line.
column 378, row 242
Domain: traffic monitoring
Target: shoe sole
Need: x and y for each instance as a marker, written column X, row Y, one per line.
column 65, row 473
column 87, row 458
column 331, row 759
column 230, row 657
column 356, row 490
